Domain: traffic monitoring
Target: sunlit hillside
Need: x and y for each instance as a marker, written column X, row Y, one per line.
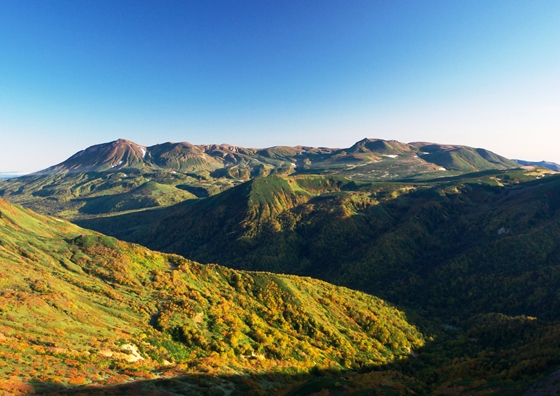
column 81, row 308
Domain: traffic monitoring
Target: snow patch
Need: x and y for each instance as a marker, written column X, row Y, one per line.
column 294, row 165
column 443, row 169
column 390, row 155
column 143, row 150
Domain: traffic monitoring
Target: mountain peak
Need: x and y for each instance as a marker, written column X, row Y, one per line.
column 380, row 146
column 99, row 157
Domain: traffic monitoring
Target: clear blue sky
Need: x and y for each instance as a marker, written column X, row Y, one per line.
column 262, row 73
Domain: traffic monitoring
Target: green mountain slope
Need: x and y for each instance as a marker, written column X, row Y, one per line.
column 79, row 308
column 462, row 158
column 476, row 244
column 147, row 195
column 247, row 219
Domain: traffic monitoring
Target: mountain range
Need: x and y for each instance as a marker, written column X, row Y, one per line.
column 10, row 175
column 449, row 241
column 240, row 162
column 442, row 261
column 123, row 176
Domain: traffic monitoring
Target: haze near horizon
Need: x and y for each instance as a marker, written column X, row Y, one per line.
column 263, row 73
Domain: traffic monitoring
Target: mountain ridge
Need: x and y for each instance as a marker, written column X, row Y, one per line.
column 106, row 178
column 123, row 153
column 543, row 164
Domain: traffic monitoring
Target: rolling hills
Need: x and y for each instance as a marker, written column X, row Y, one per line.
column 543, row 164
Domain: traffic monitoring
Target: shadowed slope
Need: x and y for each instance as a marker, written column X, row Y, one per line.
column 485, row 243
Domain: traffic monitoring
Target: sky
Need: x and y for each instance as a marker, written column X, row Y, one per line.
column 263, row 73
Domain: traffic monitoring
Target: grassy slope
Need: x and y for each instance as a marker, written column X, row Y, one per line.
column 463, row 158
column 78, row 195
column 243, row 219
column 72, row 300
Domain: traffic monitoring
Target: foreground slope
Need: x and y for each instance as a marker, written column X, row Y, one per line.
column 77, row 307
column 123, row 176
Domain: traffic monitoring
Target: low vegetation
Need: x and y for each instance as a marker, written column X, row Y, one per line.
column 78, row 307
